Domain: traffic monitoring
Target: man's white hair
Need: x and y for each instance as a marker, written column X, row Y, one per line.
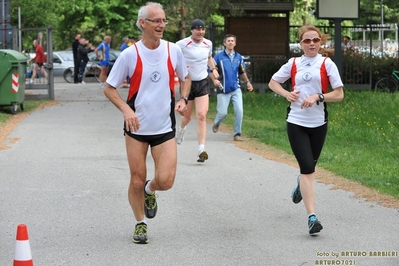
column 143, row 12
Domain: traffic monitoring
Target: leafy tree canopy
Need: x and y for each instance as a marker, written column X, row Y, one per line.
column 117, row 18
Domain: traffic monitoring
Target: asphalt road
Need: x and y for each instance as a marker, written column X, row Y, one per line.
column 65, row 176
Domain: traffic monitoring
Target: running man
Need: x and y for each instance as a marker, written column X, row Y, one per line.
column 149, row 112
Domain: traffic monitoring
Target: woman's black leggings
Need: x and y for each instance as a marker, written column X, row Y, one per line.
column 306, row 144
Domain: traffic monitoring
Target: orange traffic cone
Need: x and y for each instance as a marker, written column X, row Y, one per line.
column 22, row 256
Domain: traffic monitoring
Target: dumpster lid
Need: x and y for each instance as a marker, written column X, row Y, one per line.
column 12, row 56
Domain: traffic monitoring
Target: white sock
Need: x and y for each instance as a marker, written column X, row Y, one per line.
column 201, row 148
column 182, row 129
column 142, row 221
column 311, row 214
column 147, row 188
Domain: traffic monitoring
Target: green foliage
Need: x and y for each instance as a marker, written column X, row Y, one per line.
column 362, row 142
column 117, row 18
column 370, row 12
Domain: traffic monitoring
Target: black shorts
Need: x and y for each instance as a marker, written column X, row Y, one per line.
column 152, row 140
column 306, row 144
column 199, row 88
column 39, row 64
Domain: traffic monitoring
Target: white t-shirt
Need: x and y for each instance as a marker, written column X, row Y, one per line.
column 151, row 93
column 196, row 55
column 311, row 75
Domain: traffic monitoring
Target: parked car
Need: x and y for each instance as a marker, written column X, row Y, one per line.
column 64, row 59
column 113, row 55
column 61, row 61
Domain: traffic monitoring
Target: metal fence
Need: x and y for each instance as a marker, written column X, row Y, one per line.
column 371, row 54
column 21, row 39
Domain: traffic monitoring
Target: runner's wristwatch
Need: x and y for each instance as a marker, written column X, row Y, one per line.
column 321, row 97
column 185, row 99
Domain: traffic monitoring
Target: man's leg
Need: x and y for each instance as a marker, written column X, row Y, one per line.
column 43, row 70
column 103, row 74
column 201, row 109
column 165, row 159
column 76, row 70
column 221, row 108
column 82, row 67
column 236, row 99
column 184, row 120
column 32, row 78
column 136, row 155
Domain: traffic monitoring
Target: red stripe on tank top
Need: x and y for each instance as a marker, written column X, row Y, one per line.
column 135, row 79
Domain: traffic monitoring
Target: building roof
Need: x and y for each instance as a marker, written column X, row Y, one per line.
column 260, row 7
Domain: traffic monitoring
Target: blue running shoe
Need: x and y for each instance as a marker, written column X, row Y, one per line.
column 314, row 225
column 296, row 193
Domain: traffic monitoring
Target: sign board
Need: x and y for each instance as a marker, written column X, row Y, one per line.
column 5, row 7
column 6, row 36
column 337, row 9
column 267, row 36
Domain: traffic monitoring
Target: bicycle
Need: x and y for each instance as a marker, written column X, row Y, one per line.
column 388, row 84
column 92, row 69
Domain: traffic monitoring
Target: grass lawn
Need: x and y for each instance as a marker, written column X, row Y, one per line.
column 362, row 143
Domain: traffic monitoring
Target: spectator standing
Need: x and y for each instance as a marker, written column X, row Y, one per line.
column 132, row 41
column 307, row 116
column 149, row 113
column 83, row 50
column 198, row 53
column 39, row 59
column 346, row 43
column 75, row 45
column 230, row 66
column 124, row 44
column 102, row 53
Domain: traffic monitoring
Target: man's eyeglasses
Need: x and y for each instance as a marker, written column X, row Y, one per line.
column 309, row 40
column 157, row 21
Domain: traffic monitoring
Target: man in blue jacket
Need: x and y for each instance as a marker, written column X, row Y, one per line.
column 230, row 66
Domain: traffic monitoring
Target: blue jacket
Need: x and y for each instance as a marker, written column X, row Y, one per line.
column 229, row 70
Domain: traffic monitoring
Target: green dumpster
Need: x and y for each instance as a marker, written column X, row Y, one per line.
column 12, row 79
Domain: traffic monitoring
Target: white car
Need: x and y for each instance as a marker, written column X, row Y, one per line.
column 61, row 61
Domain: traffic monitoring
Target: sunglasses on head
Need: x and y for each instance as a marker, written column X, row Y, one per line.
column 309, row 40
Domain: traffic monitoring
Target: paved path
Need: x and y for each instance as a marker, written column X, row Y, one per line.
column 66, row 178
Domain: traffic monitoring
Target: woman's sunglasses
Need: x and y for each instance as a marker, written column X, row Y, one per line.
column 309, row 40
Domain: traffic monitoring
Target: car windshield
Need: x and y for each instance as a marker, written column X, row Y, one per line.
column 66, row 56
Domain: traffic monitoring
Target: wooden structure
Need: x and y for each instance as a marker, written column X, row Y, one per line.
column 260, row 34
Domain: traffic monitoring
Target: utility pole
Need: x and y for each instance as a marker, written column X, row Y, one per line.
column 382, row 29
column 3, row 8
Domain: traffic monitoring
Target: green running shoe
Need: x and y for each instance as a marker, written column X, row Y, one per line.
column 202, row 157
column 140, row 234
column 150, row 204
